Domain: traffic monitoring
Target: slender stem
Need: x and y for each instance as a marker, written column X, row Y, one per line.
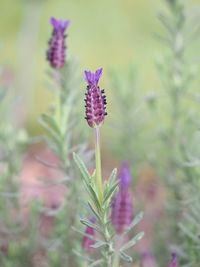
column 57, row 79
column 98, row 164
column 118, row 242
column 116, row 259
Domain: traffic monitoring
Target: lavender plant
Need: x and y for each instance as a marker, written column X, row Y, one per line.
column 100, row 194
column 189, row 229
column 177, row 75
column 13, row 142
column 128, row 97
column 62, row 136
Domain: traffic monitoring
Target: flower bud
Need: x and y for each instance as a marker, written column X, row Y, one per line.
column 95, row 100
column 56, row 51
column 122, row 205
column 173, row 262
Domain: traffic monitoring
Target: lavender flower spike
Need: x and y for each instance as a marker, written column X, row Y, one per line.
column 56, row 51
column 87, row 242
column 95, row 100
column 122, row 205
column 173, row 261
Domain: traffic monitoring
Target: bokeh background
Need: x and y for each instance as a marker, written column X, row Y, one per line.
column 120, row 36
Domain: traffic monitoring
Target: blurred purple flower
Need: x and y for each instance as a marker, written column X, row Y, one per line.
column 124, row 176
column 122, row 205
column 87, row 242
column 148, row 260
column 57, row 47
column 173, row 262
column 95, row 100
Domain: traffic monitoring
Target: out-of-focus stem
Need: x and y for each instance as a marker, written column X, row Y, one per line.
column 59, row 118
column 116, row 259
column 98, row 164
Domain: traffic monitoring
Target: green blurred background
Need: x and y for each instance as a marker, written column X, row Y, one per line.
column 107, row 33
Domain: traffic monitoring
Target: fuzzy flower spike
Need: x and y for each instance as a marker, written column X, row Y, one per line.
column 56, row 51
column 122, row 205
column 173, row 262
column 95, row 100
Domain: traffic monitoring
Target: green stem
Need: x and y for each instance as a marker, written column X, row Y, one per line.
column 116, row 259
column 98, row 164
column 118, row 243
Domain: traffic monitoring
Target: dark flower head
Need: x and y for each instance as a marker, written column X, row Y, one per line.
column 87, row 242
column 95, row 100
column 122, row 203
column 56, row 50
column 173, row 262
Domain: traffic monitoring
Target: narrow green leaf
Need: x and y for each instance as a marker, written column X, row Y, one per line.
column 135, row 221
column 125, row 257
column 80, row 255
column 94, row 197
column 83, row 233
column 96, row 263
column 188, row 233
column 99, row 244
column 53, row 135
column 110, row 192
column 132, row 242
column 51, row 122
column 94, row 212
column 82, row 168
column 92, row 225
column 112, row 178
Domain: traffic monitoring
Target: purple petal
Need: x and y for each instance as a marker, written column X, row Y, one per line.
column 93, row 78
column 173, row 262
column 98, row 74
column 124, row 175
column 65, row 24
column 54, row 22
column 59, row 24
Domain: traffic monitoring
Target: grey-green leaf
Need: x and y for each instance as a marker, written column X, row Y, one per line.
column 125, row 257
column 99, row 244
column 96, row 263
column 132, row 242
column 80, row 164
column 135, row 221
column 92, row 225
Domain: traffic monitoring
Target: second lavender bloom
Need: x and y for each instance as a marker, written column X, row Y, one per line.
column 56, row 51
column 122, row 205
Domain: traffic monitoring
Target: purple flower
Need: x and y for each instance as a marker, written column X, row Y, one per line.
column 56, row 50
column 124, row 176
column 87, row 242
column 122, row 205
column 173, row 262
column 148, row 260
column 95, row 100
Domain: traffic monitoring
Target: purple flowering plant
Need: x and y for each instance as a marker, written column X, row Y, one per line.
column 110, row 197
column 96, row 219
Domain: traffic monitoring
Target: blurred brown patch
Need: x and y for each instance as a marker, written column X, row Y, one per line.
column 151, row 196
